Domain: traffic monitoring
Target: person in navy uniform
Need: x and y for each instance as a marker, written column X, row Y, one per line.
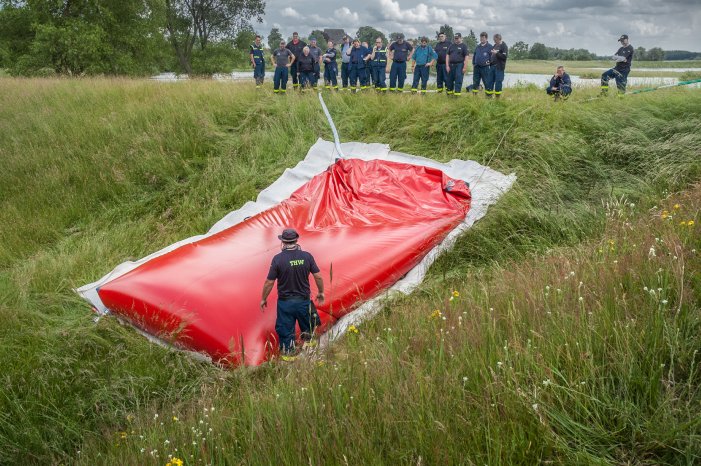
column 358, row 56
column 499, row 53
column 483, row 68
column 456, row 65
column 399, row 53
column 282, row 60
column 560, row 84
column 441, row 49
column 330, row 66
column 257, row 61
column 378, row 62
column 291, row 268
column 623, row 59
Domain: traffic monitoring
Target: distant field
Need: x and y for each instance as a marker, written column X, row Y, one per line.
column 572, row 336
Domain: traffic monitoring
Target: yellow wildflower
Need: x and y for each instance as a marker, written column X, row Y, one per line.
column 122, row 435
column 664, row 215
column 456, row 294
column 352, row 329
column 690, row 223
column 676, row 206
column 436, row 314
column 175, row 462
column 175, row 419
column 682, row 223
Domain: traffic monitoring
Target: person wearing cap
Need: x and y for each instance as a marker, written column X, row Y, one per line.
column 623, row 59
column 378, row 65
column 358, row 55
column 257, row 61
column 482, row 66
column 315, row 52
column 291, row 268
column 305, row 66
column 441, row 49
column 330, row 66
column 295, row 46
column 499, row 55
column 423, row 59
column 282, row 60
column 399, row 52
column 456, row 65
column 345, row 62
column 560, row 84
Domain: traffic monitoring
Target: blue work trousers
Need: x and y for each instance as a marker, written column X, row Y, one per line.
column 498, row 80
column 357, row 73
column 455, row 77
column 379, row 72
column 486, row 75
column 280, row 79
column 306, row 79
column 259, row 73
column 397, row 76
column 290, row 313
column 441, row 77
column 621, row 78
column 294, row 72
column 330, row 75
column 420, row 74
column 345, row 74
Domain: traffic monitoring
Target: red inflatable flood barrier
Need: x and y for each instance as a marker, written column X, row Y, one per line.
column 368, row 221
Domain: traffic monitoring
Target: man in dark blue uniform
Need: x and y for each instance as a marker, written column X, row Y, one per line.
column 456, row 65
column 358, row 55
column 399, row 53
column 330, row 66
column 483, row 68
column 378, row 63
column 258, row 62
column 623, row 58
column 560, row 84
column 441, row 49
column 291, row 268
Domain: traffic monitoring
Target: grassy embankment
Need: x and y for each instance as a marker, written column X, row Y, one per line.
column 569, row 341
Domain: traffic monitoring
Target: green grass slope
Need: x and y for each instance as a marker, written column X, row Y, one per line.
column 99, row 171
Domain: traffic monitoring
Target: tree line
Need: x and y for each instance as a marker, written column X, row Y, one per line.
column 141, row 37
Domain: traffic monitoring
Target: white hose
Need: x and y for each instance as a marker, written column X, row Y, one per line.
column 336, row 139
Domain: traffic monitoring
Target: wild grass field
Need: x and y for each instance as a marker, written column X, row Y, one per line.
column 572, row 335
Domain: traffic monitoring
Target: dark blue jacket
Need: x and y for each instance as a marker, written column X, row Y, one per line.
column 358, row 54
column 563, row 83
column 483, row 55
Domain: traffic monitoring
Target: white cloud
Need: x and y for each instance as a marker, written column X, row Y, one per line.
column 291, row 13
column 344, row 14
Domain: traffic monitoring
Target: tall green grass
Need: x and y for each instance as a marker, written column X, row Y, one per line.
column 98, row 171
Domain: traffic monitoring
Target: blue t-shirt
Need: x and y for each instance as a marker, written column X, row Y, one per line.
column 291, row 269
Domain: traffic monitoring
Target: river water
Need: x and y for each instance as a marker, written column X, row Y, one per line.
column 511, row 80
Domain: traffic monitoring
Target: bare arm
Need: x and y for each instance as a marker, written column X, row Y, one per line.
column 319, row 286
column 267, row 288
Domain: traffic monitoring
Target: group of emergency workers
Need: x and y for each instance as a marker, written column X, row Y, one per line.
column 363, row 67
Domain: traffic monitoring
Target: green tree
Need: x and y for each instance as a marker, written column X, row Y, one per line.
column 519, row 51
column 245, row 37
column 538, row 52
column 640, row 53
column 369, row 34
column 274, row 38
column 447, row 30
column 655, row 54
column 318, row 34
column 191, row 22
column 471, row 41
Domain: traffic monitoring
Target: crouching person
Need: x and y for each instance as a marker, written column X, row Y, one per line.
column 560, row 84
column 291, row 268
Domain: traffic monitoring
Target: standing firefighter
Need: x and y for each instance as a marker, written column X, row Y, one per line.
column 378, row 63
column 441, row 49
column 560, row 84
column 330, row 66
column 482, row 61
column 315, row 52
column 424, row 57
column 623, row 58
column 499, row 55
column 456, row 65
column 399, row 53
column 281, row 61
column 358, row 55
column 295, row 46
column 291, row 268
column 258, row 62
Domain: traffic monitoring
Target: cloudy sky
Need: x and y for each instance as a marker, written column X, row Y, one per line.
column 592, row 24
